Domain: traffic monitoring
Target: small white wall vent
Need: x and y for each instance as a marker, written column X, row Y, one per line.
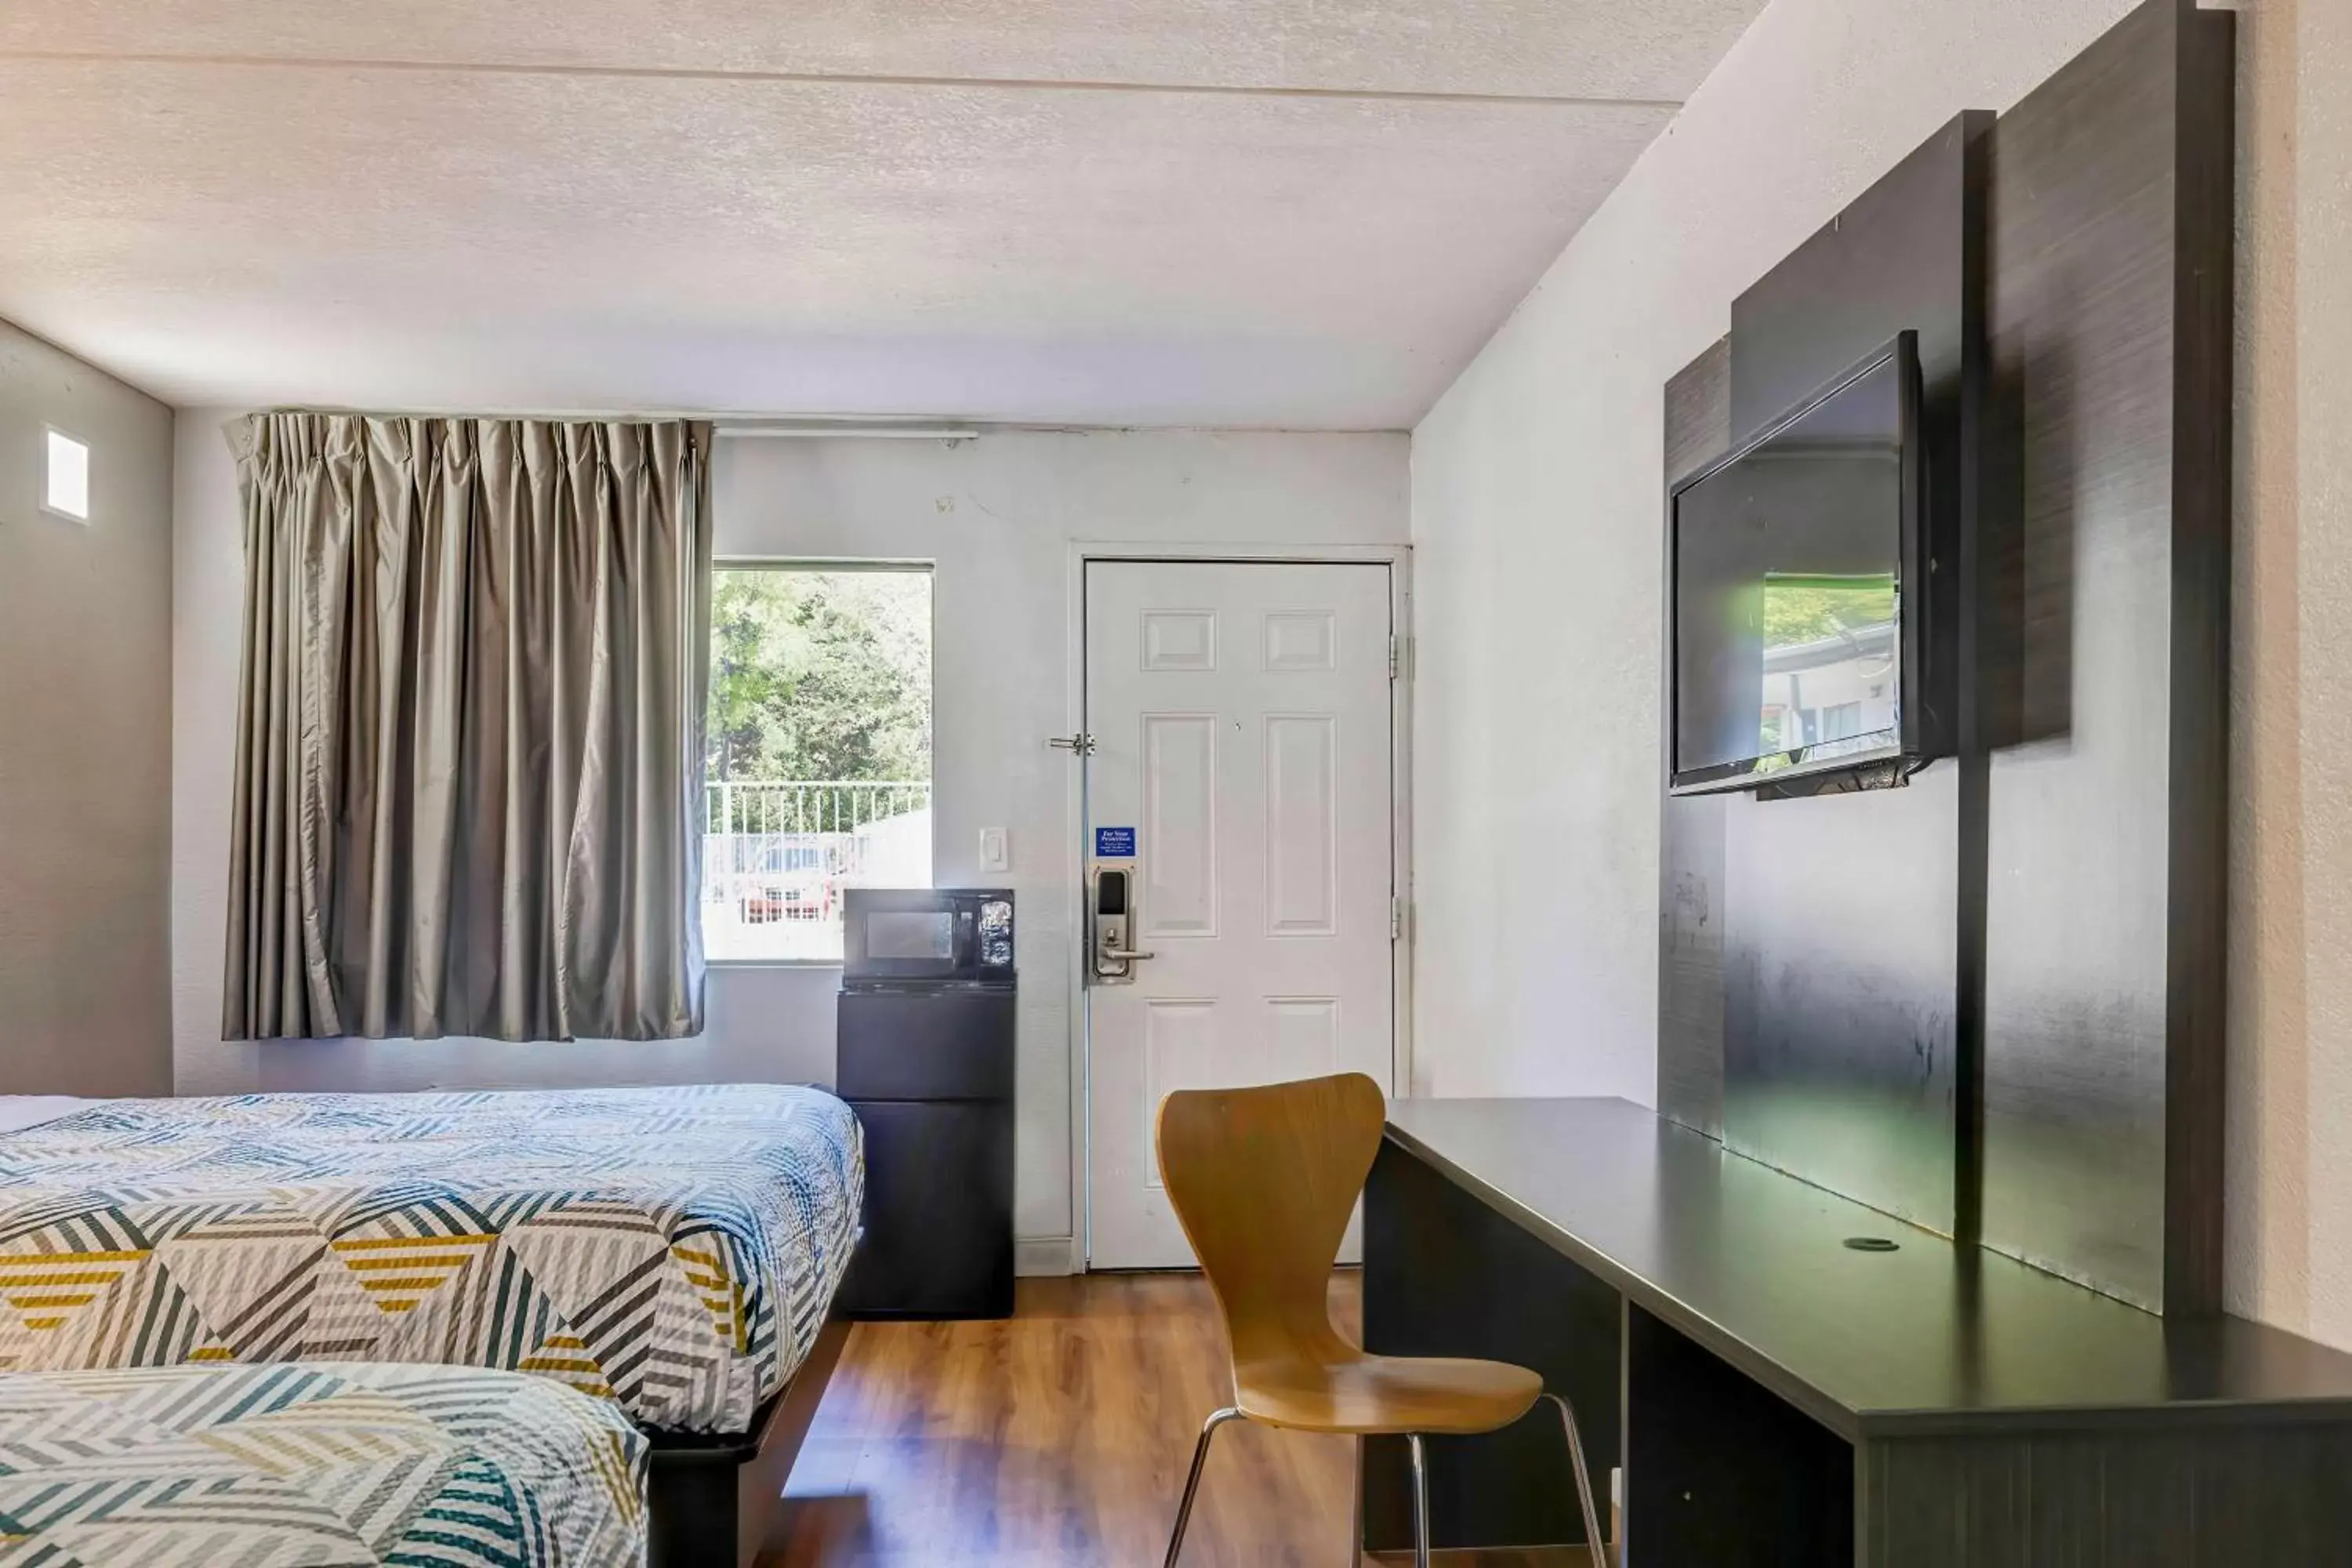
column 65, row 487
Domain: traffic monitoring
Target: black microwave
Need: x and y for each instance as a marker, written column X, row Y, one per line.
column 934, row 936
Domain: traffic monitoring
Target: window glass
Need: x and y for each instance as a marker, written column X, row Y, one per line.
column 818, row 772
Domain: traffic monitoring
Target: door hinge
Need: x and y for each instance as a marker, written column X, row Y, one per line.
column 1399, row 656
column 1078, row 745
column 1396, row 919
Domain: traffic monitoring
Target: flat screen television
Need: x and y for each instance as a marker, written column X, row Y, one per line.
column 1797, row 573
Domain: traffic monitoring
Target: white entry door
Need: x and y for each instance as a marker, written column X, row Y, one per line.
column 1240, row 717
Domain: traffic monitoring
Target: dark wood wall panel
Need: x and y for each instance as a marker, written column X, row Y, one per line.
column 2107, row 588
column 1840, row 912
column 2009, row 1023
column 2196, row 1030
column 1690, row 861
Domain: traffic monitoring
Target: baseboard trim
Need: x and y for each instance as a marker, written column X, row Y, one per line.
column 1044, row 1255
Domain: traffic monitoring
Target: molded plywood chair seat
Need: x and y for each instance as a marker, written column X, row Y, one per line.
column 1262, row 1181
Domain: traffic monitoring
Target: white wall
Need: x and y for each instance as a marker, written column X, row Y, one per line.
column 85, row 691
column 996, row 515
column 2290, row 1197
column 1536, row 519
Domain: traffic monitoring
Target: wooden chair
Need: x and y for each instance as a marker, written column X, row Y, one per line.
column 1262, row 1181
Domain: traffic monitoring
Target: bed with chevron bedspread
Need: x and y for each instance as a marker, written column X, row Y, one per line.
column 349, row 1466
column 673, row 1249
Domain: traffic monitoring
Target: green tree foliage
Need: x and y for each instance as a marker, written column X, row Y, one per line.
column 1807, row 609
column 820, row 675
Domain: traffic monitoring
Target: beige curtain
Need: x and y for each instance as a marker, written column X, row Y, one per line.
column 469, row 738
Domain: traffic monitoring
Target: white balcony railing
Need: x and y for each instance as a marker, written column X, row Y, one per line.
column 776, row 856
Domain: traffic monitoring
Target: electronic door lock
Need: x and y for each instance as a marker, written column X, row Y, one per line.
column 1110, row 905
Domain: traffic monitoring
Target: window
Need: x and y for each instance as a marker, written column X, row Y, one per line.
column 64, row 482
column 1841, row 721
column 817, row 776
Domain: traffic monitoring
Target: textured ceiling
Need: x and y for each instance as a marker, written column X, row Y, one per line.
column 1298, row 213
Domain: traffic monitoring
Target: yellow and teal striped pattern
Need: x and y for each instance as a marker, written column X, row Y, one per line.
column 674, row 1249
column 351, row 1465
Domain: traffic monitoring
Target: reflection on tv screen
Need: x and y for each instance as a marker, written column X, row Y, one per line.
column 1828, row 666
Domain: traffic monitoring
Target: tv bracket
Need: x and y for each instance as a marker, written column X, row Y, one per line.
column 1893, row 773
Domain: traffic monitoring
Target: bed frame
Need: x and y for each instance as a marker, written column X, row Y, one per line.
column 717, row 1499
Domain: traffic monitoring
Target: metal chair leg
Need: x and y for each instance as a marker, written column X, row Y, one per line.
column 1595, row 1541
column 1356, row 1512
column 1420, row 1501
column 1192, row 1481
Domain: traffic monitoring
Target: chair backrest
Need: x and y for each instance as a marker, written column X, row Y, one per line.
column 1263, row 1180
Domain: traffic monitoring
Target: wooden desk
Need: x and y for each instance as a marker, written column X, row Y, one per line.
column 1776, row 1397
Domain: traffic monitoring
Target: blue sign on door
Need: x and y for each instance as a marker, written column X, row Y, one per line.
column 1114, row 843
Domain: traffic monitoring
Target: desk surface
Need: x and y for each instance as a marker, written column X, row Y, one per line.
column 1752, row 1264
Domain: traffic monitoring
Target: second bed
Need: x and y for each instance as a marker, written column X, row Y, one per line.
column 673, row 1249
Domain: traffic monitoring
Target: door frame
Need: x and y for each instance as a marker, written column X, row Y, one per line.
column 1398, row 559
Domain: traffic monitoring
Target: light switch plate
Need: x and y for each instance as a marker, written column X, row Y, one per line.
column 995, row 850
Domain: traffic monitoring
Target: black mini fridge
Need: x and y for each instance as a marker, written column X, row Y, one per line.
column 926, row 1042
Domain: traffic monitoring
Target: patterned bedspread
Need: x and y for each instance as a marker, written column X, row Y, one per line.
column 675, row 1249
column 330, row 1466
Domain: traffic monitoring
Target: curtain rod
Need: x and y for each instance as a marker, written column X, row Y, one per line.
column 739, row 426
column 802, row 429
column 883, row 426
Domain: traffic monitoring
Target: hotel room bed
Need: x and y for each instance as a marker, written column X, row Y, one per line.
column 674, row 1249
column 345, row 1465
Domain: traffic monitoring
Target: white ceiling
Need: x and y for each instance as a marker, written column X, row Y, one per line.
column 1294, row 213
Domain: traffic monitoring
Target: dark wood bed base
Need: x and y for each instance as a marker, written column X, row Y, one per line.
column 715, row 1498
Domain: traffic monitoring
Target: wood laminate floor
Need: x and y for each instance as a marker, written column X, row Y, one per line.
column 1061, row 1436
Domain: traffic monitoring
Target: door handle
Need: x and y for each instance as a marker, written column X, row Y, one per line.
column 1114, row 962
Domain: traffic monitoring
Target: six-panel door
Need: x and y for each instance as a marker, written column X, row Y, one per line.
column 1240, row 716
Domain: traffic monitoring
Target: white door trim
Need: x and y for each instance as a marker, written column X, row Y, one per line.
column 1398, row 558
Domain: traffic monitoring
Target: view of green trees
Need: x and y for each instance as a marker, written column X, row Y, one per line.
column 820, row 675
column 1809, row 608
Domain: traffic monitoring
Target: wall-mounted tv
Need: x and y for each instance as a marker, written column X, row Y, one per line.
column 1796, row 585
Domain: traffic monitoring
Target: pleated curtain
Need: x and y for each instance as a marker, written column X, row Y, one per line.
column 470, row 732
